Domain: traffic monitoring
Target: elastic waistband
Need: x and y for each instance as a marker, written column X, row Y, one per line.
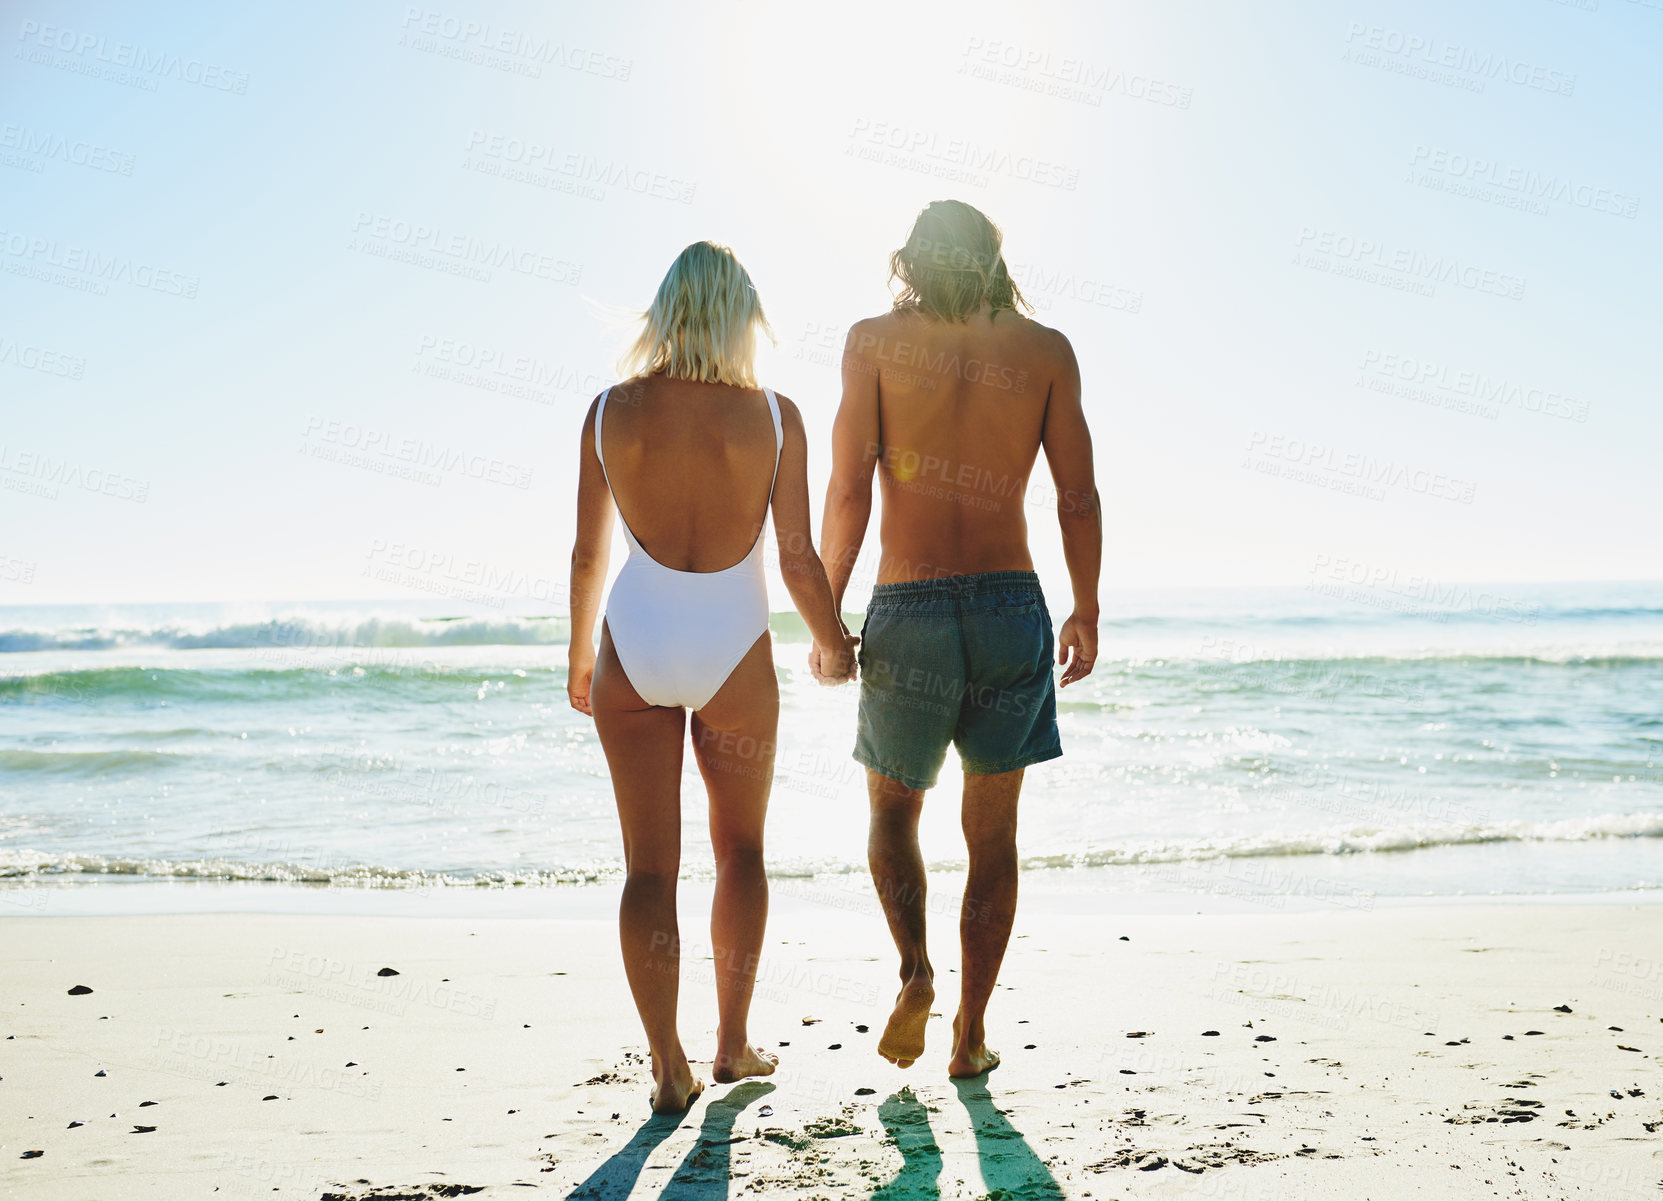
column 957, row 587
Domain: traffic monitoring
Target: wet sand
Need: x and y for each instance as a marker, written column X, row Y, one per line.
column 1460, row 1050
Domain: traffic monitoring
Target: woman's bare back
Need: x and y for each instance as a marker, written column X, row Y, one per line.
column 690, row 466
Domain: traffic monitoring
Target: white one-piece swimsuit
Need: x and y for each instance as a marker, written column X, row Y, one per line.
column 679, row 634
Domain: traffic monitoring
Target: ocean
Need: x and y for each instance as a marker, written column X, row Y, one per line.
column 1355, row 740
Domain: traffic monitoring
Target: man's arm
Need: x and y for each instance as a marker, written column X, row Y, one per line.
column 856, row 444
column 1067, row 443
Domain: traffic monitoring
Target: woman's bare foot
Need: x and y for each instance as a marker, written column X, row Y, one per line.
column 676, row 1089
column 970, row 1055
column 903, row 1038
column 748, row 1061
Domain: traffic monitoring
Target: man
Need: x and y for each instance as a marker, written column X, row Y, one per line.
column 949, row 398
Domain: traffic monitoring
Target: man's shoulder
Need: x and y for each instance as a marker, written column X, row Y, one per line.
column 881, row 324
column 1026, row 326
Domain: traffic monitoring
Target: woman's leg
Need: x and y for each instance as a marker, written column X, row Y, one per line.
column 643, row 745
column 733, row 740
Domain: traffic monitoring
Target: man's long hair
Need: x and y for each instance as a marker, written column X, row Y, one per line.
column 952, row 265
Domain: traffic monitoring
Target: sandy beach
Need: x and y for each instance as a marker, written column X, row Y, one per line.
column 1473, row 1049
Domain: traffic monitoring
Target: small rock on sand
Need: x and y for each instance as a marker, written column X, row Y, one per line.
column 388, row 971
column 80, row 990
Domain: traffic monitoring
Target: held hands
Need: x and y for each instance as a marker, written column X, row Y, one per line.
column 834, row 665
column 1077, row 648
column 580, row 676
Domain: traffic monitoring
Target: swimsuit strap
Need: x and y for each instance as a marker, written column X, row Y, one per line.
column 600, row 420
column 779, row 440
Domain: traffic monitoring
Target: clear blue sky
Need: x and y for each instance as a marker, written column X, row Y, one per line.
column 1191, row 189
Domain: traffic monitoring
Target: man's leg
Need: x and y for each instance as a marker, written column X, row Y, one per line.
column 989, row 821
column 898, row 872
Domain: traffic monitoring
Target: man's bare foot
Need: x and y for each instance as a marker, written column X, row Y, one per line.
column 750, row 1061
column 970, row 1055
column 903, row 1038
column 977, row 1062
column 677, row 1091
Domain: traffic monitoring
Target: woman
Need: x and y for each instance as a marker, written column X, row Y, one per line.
column 693, row 455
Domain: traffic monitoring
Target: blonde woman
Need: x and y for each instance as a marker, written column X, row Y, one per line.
column 693, row 455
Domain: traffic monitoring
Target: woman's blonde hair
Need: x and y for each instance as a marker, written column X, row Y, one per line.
column 952, row 264
column 702, row 325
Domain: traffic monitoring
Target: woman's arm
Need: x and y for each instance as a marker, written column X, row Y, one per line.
column 590, row 553
column 805, row 575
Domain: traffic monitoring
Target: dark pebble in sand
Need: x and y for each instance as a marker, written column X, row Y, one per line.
column 1124, row 938
column 1137, row 1034
column 269, row 1097
column 1620, row 1047
column 31, row 1155
column 1127, row 1072
column 1561, row 1008
column 1209, row 1034
column 388, row 971
column 291, row 1038
column 1030, row 1046
column 1264, row 1038
column 142, row 1130
column 1507, row 1037
column 72, row 1125
column 352, row 1063
column 861, row 1029
column 835, row 1047
column 99, row 1072
column 865, row 1092
column 1618, row 1029
column 615, row 1117
column 142, row 1104
column 80, row 990
column 784, row 1044
column 222, row 1084
column 461, row 1069
column 1532, row 1032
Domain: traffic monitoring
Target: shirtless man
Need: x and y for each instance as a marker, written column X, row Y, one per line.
column 949, row 398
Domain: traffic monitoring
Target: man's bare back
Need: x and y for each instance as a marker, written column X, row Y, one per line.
column 960, row 413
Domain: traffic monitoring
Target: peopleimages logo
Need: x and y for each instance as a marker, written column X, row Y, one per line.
column 924, row 146
column 1522, row 181
column 419, row 244
column 75, row 151
column 99, row 269
column 128, row 54
column 1477, row 65
column 1370, row 255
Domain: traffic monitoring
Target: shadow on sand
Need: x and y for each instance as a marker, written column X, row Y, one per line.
column 906, row 1121
column 1010, row 1169
column 703, row 1172
column 705, row 1169
column 617, row 1176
